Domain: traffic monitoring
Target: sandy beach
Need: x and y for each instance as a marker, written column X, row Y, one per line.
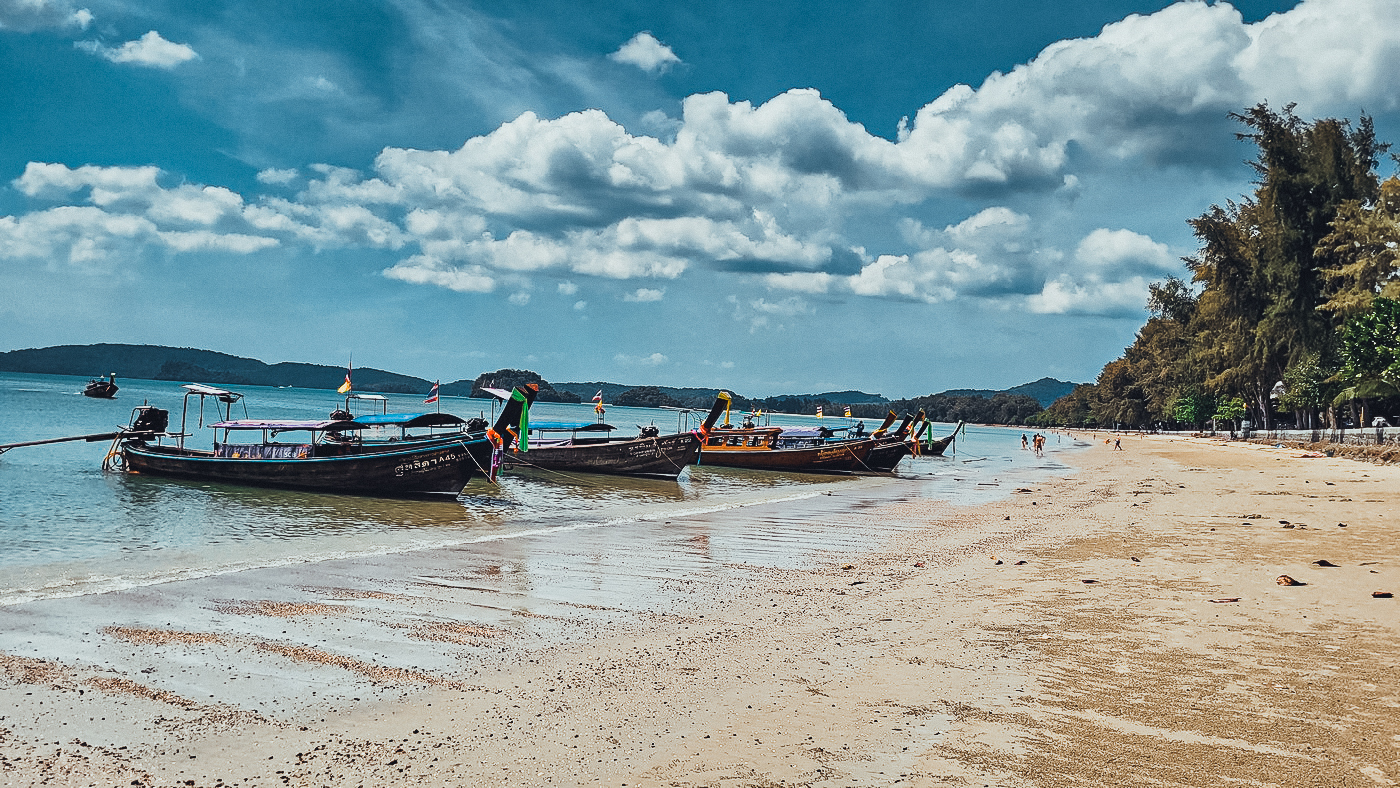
column 1122, row 626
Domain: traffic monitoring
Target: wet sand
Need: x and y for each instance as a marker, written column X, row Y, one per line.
column 1121, row 626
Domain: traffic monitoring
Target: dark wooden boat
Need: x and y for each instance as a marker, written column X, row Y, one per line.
column 330, row 460
column 589, row 448
column 101, row 389
column 934, row 447
column 431, row 469
column 890, row 447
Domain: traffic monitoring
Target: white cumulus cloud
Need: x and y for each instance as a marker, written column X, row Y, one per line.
column 653, row 360
column 149, row 50
column 278, row 177
column 792, row 192
column 645, row 294
column 26, row 16
column 646, row 53
column 1110, row 276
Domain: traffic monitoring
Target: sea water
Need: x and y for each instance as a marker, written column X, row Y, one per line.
column 67, row 528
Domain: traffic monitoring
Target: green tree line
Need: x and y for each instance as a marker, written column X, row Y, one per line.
column 1291, row 316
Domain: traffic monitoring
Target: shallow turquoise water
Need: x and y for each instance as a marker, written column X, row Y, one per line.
column 67, row 528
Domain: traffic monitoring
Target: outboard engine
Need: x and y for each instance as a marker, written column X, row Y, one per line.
column 342, row 415
column 476, row 424
column 650, row 431
column 148, row 418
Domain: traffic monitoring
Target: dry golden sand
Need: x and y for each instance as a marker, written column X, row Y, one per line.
column 1073, row 635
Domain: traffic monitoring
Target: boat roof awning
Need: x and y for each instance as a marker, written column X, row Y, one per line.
column 210, row 391
column 806, row 432
column 286, row 425
column 497, row 393
column 377, row 397
column 410, row 420
column 571, row 426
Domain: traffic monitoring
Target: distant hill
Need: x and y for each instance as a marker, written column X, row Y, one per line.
column 507, row 379
column 1044, row 391
column 705, row 397
column 841, row 397
column 687, row 397
column 647, row 397
column 155, row 362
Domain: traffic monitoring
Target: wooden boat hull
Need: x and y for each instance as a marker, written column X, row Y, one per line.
column 665, row 456
column 886, row 455
column 935, row 448
column 442, row 468
column 843, row 457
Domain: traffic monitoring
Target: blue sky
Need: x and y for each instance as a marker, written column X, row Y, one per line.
column 798, row 197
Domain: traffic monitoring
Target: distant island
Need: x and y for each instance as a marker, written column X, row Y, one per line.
column 155, row 362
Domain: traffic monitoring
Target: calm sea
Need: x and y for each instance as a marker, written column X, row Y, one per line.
column 68, row 529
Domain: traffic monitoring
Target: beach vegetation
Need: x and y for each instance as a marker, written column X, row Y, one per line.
column 1370, row 356
column 1288, row 312
column 1193, row 408
column 1232, row 410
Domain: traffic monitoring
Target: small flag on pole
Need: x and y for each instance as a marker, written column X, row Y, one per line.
column 819, row 411
column 432, row 395
column 848, row 411
column 598, row 402
column 344, row 387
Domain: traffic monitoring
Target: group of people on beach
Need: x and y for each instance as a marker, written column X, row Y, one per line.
column 1038, row 442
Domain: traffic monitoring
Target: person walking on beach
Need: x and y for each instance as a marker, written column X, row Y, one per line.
column 1023, row 441
column 1117, row 444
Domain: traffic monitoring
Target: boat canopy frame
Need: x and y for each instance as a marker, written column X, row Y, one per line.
column 221, row 396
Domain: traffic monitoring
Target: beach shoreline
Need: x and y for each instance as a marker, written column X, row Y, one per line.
column 1121, row 625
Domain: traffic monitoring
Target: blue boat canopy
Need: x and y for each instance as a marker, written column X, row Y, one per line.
column 571, row 426
column 331, row 425
column 806, row 432
column 410, row 420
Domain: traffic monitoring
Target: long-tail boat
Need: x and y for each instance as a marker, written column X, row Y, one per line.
column 590, row 448
column 931, row 446
column 98, row 388
column 330, row 460
column 804, row 450
column 890, row 447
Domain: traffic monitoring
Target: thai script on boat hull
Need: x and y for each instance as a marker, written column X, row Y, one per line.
column 428, row 464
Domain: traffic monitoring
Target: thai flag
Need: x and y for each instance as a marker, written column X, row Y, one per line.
column 432, row 395
column 599, row 396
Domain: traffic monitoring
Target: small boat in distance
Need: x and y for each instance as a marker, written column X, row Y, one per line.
column 331, row 459
column 98, row 388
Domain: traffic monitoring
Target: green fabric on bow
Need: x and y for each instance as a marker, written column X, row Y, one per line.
column 524, row 436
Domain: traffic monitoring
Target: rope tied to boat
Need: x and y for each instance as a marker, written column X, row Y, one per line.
column 115, row 461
